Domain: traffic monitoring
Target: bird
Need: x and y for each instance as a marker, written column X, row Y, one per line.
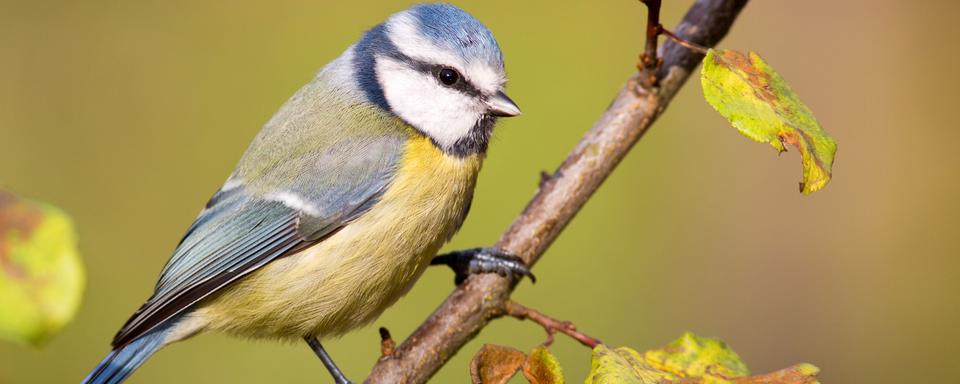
column 343, row 198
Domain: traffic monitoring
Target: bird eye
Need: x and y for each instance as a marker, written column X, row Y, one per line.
column 448, row 76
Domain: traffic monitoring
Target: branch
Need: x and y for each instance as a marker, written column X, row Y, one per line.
column 561, row 195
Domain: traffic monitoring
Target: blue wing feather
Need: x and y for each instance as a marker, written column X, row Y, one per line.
column 240, row 232
column 324, row 146
column 223, row 248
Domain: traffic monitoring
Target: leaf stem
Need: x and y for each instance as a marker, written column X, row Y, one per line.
column 551, row 325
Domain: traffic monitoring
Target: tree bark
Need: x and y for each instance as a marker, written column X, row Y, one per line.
column 561, row 195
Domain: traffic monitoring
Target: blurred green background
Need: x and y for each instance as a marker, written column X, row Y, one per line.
column 129, row 114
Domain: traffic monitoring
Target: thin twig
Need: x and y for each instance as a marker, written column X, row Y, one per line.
column 551, row 325
column 481, row 297
column 649, row 63
column 684, row 43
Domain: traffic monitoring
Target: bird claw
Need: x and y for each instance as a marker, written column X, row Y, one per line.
column 483, row 260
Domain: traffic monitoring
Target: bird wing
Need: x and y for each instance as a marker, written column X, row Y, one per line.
column 242, row 230
column 321, row 161
column 238, row 233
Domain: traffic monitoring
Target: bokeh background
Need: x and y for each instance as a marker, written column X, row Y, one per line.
column 129, row 114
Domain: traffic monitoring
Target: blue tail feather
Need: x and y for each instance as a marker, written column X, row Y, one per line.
column 121, row 362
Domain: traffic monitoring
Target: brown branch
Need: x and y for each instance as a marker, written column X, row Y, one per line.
column 551, row 325
column 482, row 297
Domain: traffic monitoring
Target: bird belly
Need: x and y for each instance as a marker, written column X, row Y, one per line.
column 351, row 277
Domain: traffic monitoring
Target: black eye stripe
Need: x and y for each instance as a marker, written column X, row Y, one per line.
column 433, row 70
column 463, row 85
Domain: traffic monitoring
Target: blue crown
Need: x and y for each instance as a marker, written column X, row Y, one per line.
column 452, row 28
column 447, row 26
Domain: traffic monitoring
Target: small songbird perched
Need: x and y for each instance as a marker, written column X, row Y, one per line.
column 343, row 198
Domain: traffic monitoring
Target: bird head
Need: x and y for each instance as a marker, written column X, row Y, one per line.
column 438, row 69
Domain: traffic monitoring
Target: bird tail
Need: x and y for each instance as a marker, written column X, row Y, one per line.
column 121, row 362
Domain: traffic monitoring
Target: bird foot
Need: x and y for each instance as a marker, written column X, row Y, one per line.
column 483, row 260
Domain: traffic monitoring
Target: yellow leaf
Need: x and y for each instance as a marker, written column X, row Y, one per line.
column 688, row 360
column 622, row 366
column 542, row 367
column 694, row 356
column 41, row 276
column 761, row 105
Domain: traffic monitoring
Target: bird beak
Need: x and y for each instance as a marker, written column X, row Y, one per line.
column 501, row 106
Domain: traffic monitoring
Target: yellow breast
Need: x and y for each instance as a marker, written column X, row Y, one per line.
column 349, row 278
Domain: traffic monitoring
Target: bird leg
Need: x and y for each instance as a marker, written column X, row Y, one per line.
column 338, row 376
column 483, row 260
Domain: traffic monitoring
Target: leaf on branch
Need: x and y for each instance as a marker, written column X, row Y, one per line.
column 693, row 356
column 622, row 365
column 542, row 367
column 495, row 364
column 688, row 360
column 41, row 276
column 760, row 104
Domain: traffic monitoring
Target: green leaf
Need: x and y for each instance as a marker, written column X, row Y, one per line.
column 542, row 367
column 760, row 104
column 41, row 276
column 623, row 366
column 688, row 360
column 495, row 364
column 693, row 356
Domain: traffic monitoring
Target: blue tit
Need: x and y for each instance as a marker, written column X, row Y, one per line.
column 341, row 200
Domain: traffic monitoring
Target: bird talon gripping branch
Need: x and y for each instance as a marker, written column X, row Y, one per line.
column 483, row 260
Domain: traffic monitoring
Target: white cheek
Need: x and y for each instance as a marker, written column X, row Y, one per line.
column 444, row 114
